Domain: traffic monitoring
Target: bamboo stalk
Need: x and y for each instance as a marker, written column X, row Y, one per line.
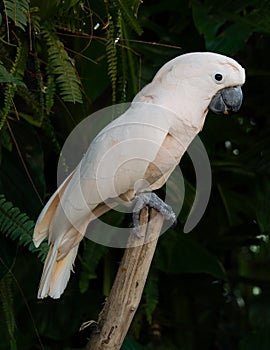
column 122, row 303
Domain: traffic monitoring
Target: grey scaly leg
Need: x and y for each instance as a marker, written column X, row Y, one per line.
column 153, row 201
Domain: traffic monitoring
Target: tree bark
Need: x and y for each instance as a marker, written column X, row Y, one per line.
column 122, row 303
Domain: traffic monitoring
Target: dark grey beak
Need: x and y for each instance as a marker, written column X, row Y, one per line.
column 226, row 100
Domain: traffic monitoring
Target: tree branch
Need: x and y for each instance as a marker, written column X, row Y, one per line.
column 122, row 303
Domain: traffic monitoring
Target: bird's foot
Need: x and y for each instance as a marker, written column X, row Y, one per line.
column 153, row 201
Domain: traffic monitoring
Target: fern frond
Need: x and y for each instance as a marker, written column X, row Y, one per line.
column 6, row 77
column 151, row 295
column 135, row 6
column 121, row 19
column 67, row 80
column 6, row 299
column 111, row 52
column 19, row 65
column 17, row 11
column 72, row 16
column 19, row 227
column 39, row 78
column 62, row 66
column 129, row 63
column 35, row 20
column 122, row 81
column 30, row 99
column 50, row 91
column 129, row 15
column 17, row 71
column 112, row 65
column 8, row 103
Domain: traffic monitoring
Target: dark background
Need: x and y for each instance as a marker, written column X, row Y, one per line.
column 62, row 60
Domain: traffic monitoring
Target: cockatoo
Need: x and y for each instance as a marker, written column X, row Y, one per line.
column 135, row 154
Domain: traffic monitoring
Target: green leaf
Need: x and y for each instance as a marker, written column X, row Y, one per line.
column 206, row 24
column 62, row 66
column 17, row 10
column 6, row 77
column 92, row 255
column 129, row 15
column 179, row 253
column 231, row 40
column 19, row 227
column 17, row 70
column 220, row 35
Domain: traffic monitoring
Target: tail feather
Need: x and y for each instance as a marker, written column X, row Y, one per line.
column 41, row 230
column 56, row 273
column 63, row 245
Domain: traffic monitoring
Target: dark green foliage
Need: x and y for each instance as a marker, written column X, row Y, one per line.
column 6, row 77
column 129, row 12
column 7, row 310
column 90, row 259
column 151, row 295
column 206, row 290
column 130, row 344
column 60, row 64
column 16, row 72
column 19, row 227
column 17, row 10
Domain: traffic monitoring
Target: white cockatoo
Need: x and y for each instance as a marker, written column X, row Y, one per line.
column 135, row 154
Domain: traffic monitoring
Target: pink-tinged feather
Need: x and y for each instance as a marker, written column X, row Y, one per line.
column 41, row 230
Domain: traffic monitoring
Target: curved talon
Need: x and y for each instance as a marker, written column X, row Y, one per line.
column 151, row 199
column 174, row 224
column 136, row 223
column 135, row 232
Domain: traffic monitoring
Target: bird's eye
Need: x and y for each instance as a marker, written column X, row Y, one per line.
column 218, row 78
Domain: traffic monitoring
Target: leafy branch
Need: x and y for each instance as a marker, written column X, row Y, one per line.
column 19, row 227
column 17, row 10
column 62, row 66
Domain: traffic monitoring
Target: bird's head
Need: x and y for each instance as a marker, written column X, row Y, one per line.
column 223, row 77
column 213, row 78
column 227, row 78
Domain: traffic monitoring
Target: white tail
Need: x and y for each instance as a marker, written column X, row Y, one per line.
column 56, row 274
